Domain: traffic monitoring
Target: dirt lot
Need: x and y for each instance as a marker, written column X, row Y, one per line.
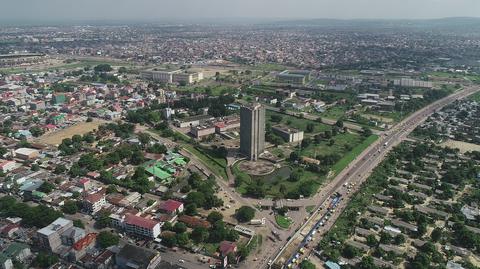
column 81, row 128
column 462, row 146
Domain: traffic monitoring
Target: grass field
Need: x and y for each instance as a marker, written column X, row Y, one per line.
column 475, row 97
column 297, row 123
column 342, row 143
column 309, row 208
column 72, row 65
column 81, row 128
column 216, row 165
column 340, row 165
column 283, row 222
column 334, row 113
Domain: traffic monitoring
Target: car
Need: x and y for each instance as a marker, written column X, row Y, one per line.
column 212, row 266
column 181, row 261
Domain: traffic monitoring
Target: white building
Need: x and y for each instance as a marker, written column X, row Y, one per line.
column 94, row 202
column 7, row 166
column 137, row 225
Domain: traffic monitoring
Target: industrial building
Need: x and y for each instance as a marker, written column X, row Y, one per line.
column 298, row 77
column 252, row 131
column 174, row 76
column 412, row 83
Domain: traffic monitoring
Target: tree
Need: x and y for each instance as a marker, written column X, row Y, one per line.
column 366, row 132
column 44, row 260
column 36, row 131
column 367, row 263
column 399, row 239
column 144, row 138
column 196, row 198
column 436, row 234
column 199, row 235
column 191, row 209
column 122, row 70
column 106, row 239
column 180, row 227
column 70, row 207
column 35, row 167
column 310, row 127
column 371, row 240
column 60, row 169
column 102, row 68
column 78, row 223
column 245, row 214
column 103, row 220
column 349, row 252
column 214, row 216
column 182, row 239
column 306, row 264
column 46, row 187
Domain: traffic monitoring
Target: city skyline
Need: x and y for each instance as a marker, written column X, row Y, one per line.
column 242, row 11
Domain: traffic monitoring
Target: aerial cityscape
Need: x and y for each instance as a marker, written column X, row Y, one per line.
column 137, row 140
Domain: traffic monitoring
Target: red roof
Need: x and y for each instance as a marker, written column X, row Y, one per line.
column 3, row 163
column 84, row 242
column 194, row 222
column 9, row 228
column 140, row 221
column 220, row 125
column 95, row 197
column 171, row 205
column 227, row 247
column 84, row 181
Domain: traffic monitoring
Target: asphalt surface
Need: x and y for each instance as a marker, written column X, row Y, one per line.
column 361, row 168
column 356, row 172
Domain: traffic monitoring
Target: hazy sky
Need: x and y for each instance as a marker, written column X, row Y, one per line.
column 56, row 10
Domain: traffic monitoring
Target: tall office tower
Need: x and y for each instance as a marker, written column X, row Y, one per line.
column 252, row 131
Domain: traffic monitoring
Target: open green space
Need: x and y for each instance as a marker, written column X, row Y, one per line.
column 354, row 153
column 71, row 65
column 297, row 123
column 343, row 143
column 215, row 164
column 283, row 222
column 334, row 113
column 475, row 97
column 270, row 67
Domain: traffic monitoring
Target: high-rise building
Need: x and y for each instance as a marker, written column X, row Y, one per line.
column 252, row 131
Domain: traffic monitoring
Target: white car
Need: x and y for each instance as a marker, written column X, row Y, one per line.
column 181, row 261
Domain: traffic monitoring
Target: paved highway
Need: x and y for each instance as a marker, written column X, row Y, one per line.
column 361, row 168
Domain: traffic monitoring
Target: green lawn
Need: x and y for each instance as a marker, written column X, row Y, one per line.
column 334, row 113
column 297, row 123
column 210, row 248
column 216, row 165
column 283, row 221
column 343, row 142
column 309, row 208
column 475, row 97
column 340, row 165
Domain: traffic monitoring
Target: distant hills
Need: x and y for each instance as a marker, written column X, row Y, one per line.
column 467, row 23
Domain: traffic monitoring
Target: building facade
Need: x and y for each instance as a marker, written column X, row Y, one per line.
column 252, row 131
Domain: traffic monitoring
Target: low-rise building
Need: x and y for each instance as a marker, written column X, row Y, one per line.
column 94, row 202
column 131, row 256
column 288, row 134
column 27, row 153
column 137, row 225
column 49, row 237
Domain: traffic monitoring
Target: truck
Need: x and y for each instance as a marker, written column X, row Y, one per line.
column 258, row 222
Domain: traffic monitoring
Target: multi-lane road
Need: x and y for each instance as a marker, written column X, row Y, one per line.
column 361, row 168
column 356, row 173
